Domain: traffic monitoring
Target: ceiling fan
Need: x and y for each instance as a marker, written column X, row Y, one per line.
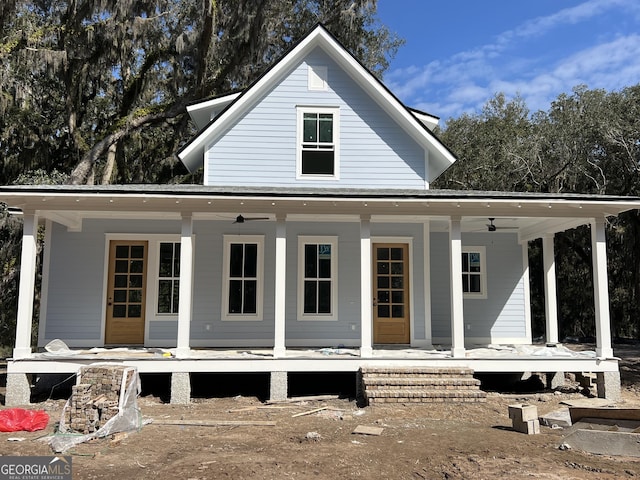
column 492, row 227
column 242, row 219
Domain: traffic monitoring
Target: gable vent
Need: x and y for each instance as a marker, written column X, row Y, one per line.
column 317, row 77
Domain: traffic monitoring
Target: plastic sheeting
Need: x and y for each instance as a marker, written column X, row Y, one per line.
column 20, row 420
column 127, row 419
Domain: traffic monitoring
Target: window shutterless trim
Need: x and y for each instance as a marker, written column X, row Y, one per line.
column 482, row 294
column 258, row 240
column 322, row 146
column 304, row 240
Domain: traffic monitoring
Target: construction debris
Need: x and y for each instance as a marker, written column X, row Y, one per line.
column 315, row 410
column 103, row 402
column 366, row 430
column 525, row 418
column 605, row 431
column 556, row 419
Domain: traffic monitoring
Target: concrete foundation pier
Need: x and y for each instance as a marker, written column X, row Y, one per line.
column 279, row 388
column 180, row 388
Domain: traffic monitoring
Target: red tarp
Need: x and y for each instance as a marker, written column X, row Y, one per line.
column 18, row 420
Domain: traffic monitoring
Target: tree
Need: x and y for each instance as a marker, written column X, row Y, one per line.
column 95, row 91
column 587, row 142
column 98, row 88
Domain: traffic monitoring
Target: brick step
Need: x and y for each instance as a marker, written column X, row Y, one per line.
column 401, row 372
column 422, row 382
column 424, row 396
column 421, row 385
column 377, row 401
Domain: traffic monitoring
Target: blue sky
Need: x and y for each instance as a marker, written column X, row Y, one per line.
column 460, row 53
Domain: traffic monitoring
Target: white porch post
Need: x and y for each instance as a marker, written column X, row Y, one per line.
column 457, row 307
column 186, row 286
column 279, row 347
column 366, row 301
column 601, row 289
column 550, row 290
column 426, row 245
column 24, row 321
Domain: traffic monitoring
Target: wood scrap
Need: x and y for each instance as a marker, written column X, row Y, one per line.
column 309, row 398
column 215, row 423
column 366, row 430
column 309, row 412
column 260, row 407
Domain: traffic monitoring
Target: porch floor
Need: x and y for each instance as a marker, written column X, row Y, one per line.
column 60, row 351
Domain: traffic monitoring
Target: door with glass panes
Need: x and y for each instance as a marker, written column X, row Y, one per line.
column 126, row 293
column 391, row 293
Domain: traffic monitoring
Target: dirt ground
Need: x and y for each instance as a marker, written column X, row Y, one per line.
column 430, row 441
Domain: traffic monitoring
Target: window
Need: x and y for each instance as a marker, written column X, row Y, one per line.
column 242, row 283
column 318, row 142
column 168, row 277
column 317, row 278
column 474, row 274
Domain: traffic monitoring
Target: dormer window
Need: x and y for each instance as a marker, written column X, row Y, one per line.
column 318, row 134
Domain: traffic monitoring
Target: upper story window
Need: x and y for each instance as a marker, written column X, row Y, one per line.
column 242, row 282
column 474, row 272
column 318, row 142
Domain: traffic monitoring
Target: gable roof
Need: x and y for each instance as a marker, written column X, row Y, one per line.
column 440, row 157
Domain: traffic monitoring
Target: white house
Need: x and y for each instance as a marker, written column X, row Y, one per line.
column 315, row 227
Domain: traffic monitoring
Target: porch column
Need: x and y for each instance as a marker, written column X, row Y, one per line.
column 24, row 320
column 185, row 297
column 426, row 245
column 601, row 289
column 457, row 307
column 279, row 348
column 550, row 290
column 366, row 301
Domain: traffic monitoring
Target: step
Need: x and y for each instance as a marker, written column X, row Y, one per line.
column 401, row 372
column 423, row 396
column 399, row 392
column 422, row 382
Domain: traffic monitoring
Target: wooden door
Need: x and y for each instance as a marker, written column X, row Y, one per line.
column 391, row 293
column 126, row 293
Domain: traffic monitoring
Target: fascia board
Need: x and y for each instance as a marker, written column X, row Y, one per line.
column 389, row 103
column 200, row 112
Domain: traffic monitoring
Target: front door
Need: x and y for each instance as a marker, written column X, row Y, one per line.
column 126, row 293
column 391, row 293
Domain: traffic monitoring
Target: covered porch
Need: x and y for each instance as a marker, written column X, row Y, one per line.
column 451, row 213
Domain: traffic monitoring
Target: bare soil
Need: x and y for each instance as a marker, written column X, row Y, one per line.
column 430, row 441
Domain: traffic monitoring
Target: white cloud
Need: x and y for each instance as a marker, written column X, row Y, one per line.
column 465, row 81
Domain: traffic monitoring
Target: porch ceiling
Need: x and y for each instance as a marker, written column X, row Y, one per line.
column 528, row 215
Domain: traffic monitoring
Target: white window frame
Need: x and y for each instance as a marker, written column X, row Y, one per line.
column 172, row 315
column 335, row 111
column 245, row 239
column 316, row 240
column 482, row 294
